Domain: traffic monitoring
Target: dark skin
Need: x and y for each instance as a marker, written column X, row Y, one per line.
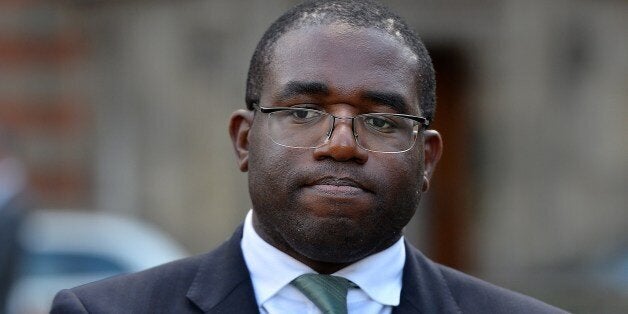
column 334, row 205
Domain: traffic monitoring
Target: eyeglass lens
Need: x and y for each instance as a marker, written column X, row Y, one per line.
column 304, row 128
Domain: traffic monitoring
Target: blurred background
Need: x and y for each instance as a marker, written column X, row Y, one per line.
column 114, row 114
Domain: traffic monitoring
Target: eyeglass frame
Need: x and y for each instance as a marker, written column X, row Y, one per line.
column 422, row 121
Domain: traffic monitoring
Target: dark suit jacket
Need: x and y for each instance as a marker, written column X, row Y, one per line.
column 219, row 282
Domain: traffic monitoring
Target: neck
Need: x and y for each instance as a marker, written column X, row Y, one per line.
column 323, row 267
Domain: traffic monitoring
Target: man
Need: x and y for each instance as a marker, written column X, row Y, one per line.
column 338, row 154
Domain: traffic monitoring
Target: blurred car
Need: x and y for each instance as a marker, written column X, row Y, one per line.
column 63, row 249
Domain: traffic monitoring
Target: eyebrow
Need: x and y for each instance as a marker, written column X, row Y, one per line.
column 296, row 88
column 392, row 100
column 389, row 99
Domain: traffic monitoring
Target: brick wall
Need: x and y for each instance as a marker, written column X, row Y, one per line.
column 43, row 99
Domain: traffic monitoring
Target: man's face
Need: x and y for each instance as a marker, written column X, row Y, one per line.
column 337, row 203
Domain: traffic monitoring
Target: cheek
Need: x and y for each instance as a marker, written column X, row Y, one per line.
column 270, row 166
column 263, row 151
column 400, row 193
column 403, row 170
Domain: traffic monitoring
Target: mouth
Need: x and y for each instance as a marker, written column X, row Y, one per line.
column 338, row 196
column 338, row 186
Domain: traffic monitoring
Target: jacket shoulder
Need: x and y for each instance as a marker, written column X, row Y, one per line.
column 161, row 287
column 215, row 282
column 474, row 295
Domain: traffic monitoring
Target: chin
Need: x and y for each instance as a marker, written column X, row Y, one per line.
column 337, row 240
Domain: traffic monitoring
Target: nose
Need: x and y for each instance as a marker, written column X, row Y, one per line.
column 341, row 145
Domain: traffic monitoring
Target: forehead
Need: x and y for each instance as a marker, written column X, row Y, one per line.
column 347, row 59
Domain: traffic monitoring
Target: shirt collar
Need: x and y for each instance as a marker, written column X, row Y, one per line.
column 378, row 275
column 270, row 268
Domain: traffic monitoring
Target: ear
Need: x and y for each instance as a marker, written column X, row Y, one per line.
column 432, row 150
column 239, row 127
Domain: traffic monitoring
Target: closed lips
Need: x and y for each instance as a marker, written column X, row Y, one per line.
column 334, row 181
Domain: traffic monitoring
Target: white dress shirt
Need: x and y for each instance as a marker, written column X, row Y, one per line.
column 378, row 276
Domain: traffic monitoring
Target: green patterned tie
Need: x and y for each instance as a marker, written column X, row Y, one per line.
column 327, row 292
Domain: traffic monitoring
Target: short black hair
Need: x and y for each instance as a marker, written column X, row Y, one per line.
column 356, row 13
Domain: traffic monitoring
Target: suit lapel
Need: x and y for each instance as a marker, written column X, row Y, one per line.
column 424, row 289
column 222, row 283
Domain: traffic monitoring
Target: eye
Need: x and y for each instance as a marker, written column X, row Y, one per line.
column 304, row 114
column 380, row 123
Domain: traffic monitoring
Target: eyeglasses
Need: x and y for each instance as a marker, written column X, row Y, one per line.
column 310, row 128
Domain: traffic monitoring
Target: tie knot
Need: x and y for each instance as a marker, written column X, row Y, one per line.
column 327, row 292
